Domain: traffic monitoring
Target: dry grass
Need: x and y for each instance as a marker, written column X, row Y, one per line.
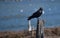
column 49, row 33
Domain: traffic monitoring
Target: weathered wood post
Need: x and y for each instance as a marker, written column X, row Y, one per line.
column 32, row 32
column 30, row 29
column 29, row 26
column 41, row 24
column 39, row 29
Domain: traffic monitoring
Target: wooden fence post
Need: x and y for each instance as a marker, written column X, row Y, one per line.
column 29, row 26
column 40, row 29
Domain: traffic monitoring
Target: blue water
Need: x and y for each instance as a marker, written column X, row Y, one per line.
column 12, row 19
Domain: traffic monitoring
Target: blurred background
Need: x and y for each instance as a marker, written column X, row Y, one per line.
column 14, row 13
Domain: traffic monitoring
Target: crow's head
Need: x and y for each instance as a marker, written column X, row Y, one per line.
column 41, row 10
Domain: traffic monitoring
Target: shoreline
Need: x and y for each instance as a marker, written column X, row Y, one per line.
column 48, row 32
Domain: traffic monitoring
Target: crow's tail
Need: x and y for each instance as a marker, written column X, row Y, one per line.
column 29, row 18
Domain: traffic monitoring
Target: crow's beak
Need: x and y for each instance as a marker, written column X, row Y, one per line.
column 43, row 12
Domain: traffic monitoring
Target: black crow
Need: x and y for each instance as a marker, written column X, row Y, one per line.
column 37, row 14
